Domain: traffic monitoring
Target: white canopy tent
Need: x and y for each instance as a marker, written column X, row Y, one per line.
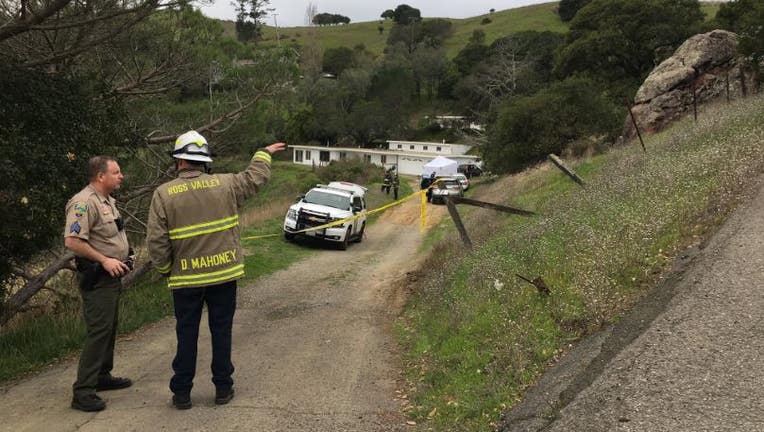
column 441, row 166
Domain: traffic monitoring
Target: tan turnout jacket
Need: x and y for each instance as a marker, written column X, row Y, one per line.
column 193, row 228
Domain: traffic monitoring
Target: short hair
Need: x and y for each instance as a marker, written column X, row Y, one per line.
column 98, row 165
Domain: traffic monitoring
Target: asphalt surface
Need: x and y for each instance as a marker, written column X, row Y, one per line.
column 689, row 357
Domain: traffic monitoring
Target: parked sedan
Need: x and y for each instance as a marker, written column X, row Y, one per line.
column 465, row 182
column 446, row 187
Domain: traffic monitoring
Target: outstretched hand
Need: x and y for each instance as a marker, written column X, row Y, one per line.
column 275, row 147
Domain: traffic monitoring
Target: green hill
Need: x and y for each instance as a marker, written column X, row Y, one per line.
column 537, row 17
column 540, row 17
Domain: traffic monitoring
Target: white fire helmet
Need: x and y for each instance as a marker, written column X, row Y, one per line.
column 192, row 146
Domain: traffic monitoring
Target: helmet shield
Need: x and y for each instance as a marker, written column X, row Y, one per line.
column 192, row 146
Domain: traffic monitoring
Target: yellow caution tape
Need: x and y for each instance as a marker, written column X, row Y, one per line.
column 423, row 215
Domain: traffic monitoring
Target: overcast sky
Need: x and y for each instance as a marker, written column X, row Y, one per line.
column 291, row 13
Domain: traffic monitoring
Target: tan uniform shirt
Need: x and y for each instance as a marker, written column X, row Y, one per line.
column 193, row 227
column 92, row 217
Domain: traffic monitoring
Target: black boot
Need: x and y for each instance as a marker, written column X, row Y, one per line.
column 113, row 383
column 88, row 403
column 181, row 401
column 223, row 396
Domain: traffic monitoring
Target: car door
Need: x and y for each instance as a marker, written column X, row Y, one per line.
column 359, row 203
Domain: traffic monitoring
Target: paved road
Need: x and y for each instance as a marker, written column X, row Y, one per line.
column 690, row 357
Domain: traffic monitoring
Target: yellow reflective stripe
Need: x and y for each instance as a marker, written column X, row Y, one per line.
column 207, row 278
column 164, row 268
column 208, row 231
column 200, row 282
column 204, row 275
column 265, row 156
column 205, row 224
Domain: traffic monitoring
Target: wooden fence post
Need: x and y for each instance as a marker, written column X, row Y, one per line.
column 727, row 83
column 555, row 160
column 695, row 97
column 458, row 222
column 636, row 127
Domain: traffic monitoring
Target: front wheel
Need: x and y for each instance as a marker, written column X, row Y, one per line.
column 288, row 236
column 346, row 241
column 359, row 239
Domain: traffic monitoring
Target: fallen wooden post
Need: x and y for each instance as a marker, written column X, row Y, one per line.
column 538, row 283
column 555, row 160
column 458, row 222
column 501, row 208
column 451, row 204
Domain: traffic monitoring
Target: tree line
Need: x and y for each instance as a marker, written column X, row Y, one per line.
column 323, row 19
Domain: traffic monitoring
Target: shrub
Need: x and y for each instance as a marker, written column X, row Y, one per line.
column 527, row 129
column 46, row 146
column 352, row 170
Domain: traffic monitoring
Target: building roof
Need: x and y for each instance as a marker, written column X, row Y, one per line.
column 380, row 151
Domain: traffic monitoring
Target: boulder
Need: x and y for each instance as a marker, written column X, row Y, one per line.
column 704, row 68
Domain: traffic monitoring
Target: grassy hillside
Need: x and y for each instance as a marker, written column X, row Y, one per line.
column 537, row 17
column 477, row 335
column 541, row 17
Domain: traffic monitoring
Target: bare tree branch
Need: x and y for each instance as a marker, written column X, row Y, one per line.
column 24, row 22
column 33, row 285
column 92, row 43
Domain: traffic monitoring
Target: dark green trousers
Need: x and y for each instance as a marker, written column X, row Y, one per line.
column 99, row 307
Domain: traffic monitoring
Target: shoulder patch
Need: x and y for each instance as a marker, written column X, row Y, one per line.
column 80, row 207
column 75, row 228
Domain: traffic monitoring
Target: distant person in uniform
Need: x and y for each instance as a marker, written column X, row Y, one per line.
column 396, row 183
column 386, row 183
column 426, row 183
column 95, row 232
column 193, row 238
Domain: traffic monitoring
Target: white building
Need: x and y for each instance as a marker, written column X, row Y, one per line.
column 408, row 156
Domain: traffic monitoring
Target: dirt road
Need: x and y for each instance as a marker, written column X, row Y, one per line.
column 312, row 349
column 689, row 357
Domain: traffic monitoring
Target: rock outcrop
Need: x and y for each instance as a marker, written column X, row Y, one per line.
column 704, row 68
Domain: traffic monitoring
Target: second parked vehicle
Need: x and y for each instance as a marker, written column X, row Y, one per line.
column 446, row 187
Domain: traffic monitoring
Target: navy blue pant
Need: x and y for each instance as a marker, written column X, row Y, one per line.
column 221, row 306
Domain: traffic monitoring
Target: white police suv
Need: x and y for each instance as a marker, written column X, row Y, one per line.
column 328, row 203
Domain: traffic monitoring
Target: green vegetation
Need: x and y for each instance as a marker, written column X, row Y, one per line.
column 56, row 142
column 477, row 336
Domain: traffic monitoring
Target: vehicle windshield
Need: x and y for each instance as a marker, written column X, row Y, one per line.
column 327, row 199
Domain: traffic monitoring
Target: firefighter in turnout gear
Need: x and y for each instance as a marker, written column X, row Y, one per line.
column 193, row 238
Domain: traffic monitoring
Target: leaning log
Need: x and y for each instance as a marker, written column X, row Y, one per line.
column 34, row 284
column 458, row 222
column 561, row 165
column 492, row 206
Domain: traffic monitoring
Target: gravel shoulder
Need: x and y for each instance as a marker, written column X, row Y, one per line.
column 313, row 351
column 688, row 357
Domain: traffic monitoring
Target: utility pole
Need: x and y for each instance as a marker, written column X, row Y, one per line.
column 276, row 23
